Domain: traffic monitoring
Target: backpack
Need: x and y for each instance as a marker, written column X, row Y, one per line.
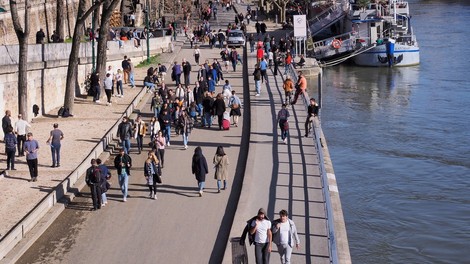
column 61, row 111
column 66, row 112
column 94, row 176
column 283, row 114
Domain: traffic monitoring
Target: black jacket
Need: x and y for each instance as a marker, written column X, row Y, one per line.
column 126, row 160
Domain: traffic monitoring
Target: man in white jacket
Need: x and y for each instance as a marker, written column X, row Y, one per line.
column 284, row 234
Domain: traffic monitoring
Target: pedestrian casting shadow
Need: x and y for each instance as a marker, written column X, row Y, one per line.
column 45, row 189
column 185, row 191
column 15, row 178
column 92, row 140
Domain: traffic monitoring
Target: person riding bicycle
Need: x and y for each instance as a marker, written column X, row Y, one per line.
column 312, row 111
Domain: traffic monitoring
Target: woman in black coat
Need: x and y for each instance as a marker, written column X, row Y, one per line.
column 199, row 169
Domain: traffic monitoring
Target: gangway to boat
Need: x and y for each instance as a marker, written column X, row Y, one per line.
column 326, row 18
column 334, row 46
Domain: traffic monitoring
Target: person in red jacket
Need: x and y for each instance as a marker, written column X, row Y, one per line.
column 259, row 53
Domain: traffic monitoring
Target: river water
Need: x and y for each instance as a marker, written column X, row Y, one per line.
column 400, row 144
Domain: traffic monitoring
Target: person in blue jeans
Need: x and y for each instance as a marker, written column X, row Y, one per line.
column 166, row 122
column 54, row 140
column 131, row 73
column 123, row 164
column 125, row 133
column 282, row 119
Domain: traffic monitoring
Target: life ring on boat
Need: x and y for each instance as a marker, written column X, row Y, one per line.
column 336, row 43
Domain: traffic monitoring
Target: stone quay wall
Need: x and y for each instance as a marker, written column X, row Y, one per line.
column 42, row 15
column 47, row 71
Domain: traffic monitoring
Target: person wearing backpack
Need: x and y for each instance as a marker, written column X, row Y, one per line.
column 257, row 78
column 94, row 181
column 234, row 59
column 282, row 117
column 284, row 234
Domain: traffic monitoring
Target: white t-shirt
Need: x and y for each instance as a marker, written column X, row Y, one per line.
column 284, row 233
column 261, row 235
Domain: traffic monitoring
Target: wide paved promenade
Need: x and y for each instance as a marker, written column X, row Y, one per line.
column 181, row 227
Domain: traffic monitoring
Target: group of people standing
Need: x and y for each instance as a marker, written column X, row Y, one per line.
column 20, row 138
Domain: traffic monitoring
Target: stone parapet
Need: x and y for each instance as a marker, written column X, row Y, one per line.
column 47, row 78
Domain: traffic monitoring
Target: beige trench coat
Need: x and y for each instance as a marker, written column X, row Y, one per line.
column 221, row 167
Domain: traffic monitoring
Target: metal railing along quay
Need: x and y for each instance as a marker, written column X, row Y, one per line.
column 332, row 243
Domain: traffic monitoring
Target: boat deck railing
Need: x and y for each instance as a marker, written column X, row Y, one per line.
column 324, row 48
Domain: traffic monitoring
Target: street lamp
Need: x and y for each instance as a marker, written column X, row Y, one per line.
column 147, row 11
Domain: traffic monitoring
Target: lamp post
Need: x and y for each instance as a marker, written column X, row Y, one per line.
column 93, row 42
column 147, row 13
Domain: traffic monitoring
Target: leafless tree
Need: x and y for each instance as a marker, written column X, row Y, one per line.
column 106, row 13
column 82, row 15
column 59, row 26
column 22, row 35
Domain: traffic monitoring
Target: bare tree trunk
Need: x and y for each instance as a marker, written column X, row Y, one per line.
column 59, row 26
column 22, row 36
column 107, row 11
column 74, row 53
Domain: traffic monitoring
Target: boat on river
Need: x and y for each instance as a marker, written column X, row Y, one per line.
column 385, row 27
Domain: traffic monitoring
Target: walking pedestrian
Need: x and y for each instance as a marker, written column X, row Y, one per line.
column 140, row 128
column 6, row 122
column 197, row 54
column 300, row 86
column 219, row 109
column 31, row 147
column 282, row 119
column 159, row 146
column 131, row 73
column 263, row 66
column 207, row 104
column 186, row 126
column 288, row 87
column 284, row 234
column 199, row 169
column 123, row 164
column 105, row 176
column 166, row 124
column 10, row 148
column 113, row 77
column 261, row 229
column 119, row 77
column 154, row 128
column 125, row 68
column 21, row 127
column 257, row 78
column 234, row 58
column 125, row 133
column 221, row 163
column 176, row 73
column 108, row 88
column 152, row 172
column 55, row 137
column 186, row 72
column 235, row 106
column 94, row 181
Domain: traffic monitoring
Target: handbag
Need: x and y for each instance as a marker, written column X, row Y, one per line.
column 235, row 106
column 158, row 178
column 286, row 125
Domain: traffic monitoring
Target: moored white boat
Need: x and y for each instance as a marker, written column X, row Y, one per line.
column 387, row 25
